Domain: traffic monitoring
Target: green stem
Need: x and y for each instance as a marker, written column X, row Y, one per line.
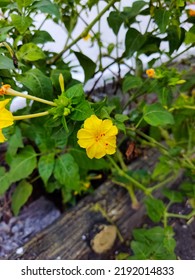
column 161, row 184
column 120, row 158
column 189, row 107
column 150, row 139
column 82, row 34
column 135, row 203
column 28, row 96
column 180, row 216
column 98, row 208
column 177, row 55
column 99, row 41
column 128, row 177
column 36, row 115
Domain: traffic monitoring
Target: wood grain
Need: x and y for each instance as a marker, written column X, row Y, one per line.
column 69, row 237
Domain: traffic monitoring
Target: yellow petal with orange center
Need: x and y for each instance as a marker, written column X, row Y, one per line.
column 97, row 137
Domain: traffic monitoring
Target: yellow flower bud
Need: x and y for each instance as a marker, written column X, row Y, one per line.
column 150, row 72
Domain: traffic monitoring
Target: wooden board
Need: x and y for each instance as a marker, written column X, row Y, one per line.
column 70, row 237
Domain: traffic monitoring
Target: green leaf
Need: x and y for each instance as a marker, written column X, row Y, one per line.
column 47, row 7
column 175, row 36
column 86, row 163
column 66, row 171
column 4, row 32
column 22, row 164
column 190, row 36
column 161, row 170
column 87, row 64
column 156, row 114
column 20, row 196
column 91, row 3
column 21, row 23
column 24, row 3
column 130, row 82
column 140, row 250
column 52, row 186
column 155, row 209
column 188, row 188
column 75, row 93
column 121, row 118
column 30, row 52
column 6, row 63
column 115, row 20
column 130, row 13
column 153, row 244
column 4, row 3
column 15, row 142
column 42, row 37
column 169, row 241
column 82, row 111
column 173, row 196
column 106, row 111
column 46, row 166
column 134, row 40
column 39, row 84
column 161, row 17
column 4, row 181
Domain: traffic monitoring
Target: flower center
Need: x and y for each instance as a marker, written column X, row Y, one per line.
column 99, row 137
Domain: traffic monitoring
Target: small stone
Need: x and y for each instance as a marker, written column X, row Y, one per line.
column 104, row 240
column 4, row 227
column 20, row 251
column 84, row 237
column 184, row 226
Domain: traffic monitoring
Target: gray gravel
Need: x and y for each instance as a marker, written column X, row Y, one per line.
column 20, row 229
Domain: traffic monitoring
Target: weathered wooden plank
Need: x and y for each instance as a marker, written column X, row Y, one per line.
column 70, row 237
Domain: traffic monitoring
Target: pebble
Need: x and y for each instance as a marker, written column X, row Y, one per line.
column 184, row 226
column 4, row 227
column 20, row 251
column 20, row 229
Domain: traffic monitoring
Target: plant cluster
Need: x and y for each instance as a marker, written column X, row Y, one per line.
column 66, row 139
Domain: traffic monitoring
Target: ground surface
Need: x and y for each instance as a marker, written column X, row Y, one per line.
column 16, row 231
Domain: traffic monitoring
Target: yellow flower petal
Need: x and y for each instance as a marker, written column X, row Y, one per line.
column 4, row 103
column 84, row 133
column 2, row 137
column 98, row 137
column 96, row 151
column 111, row 140
column 110, row 150
column 6, row 118
column 92, row 123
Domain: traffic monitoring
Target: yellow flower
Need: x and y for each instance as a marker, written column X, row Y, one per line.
column 191, row 13
column 2, row 137
column 3, row 89
column 86, row 38
column 150, row 72
column 6, row 118
column 98, row 137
